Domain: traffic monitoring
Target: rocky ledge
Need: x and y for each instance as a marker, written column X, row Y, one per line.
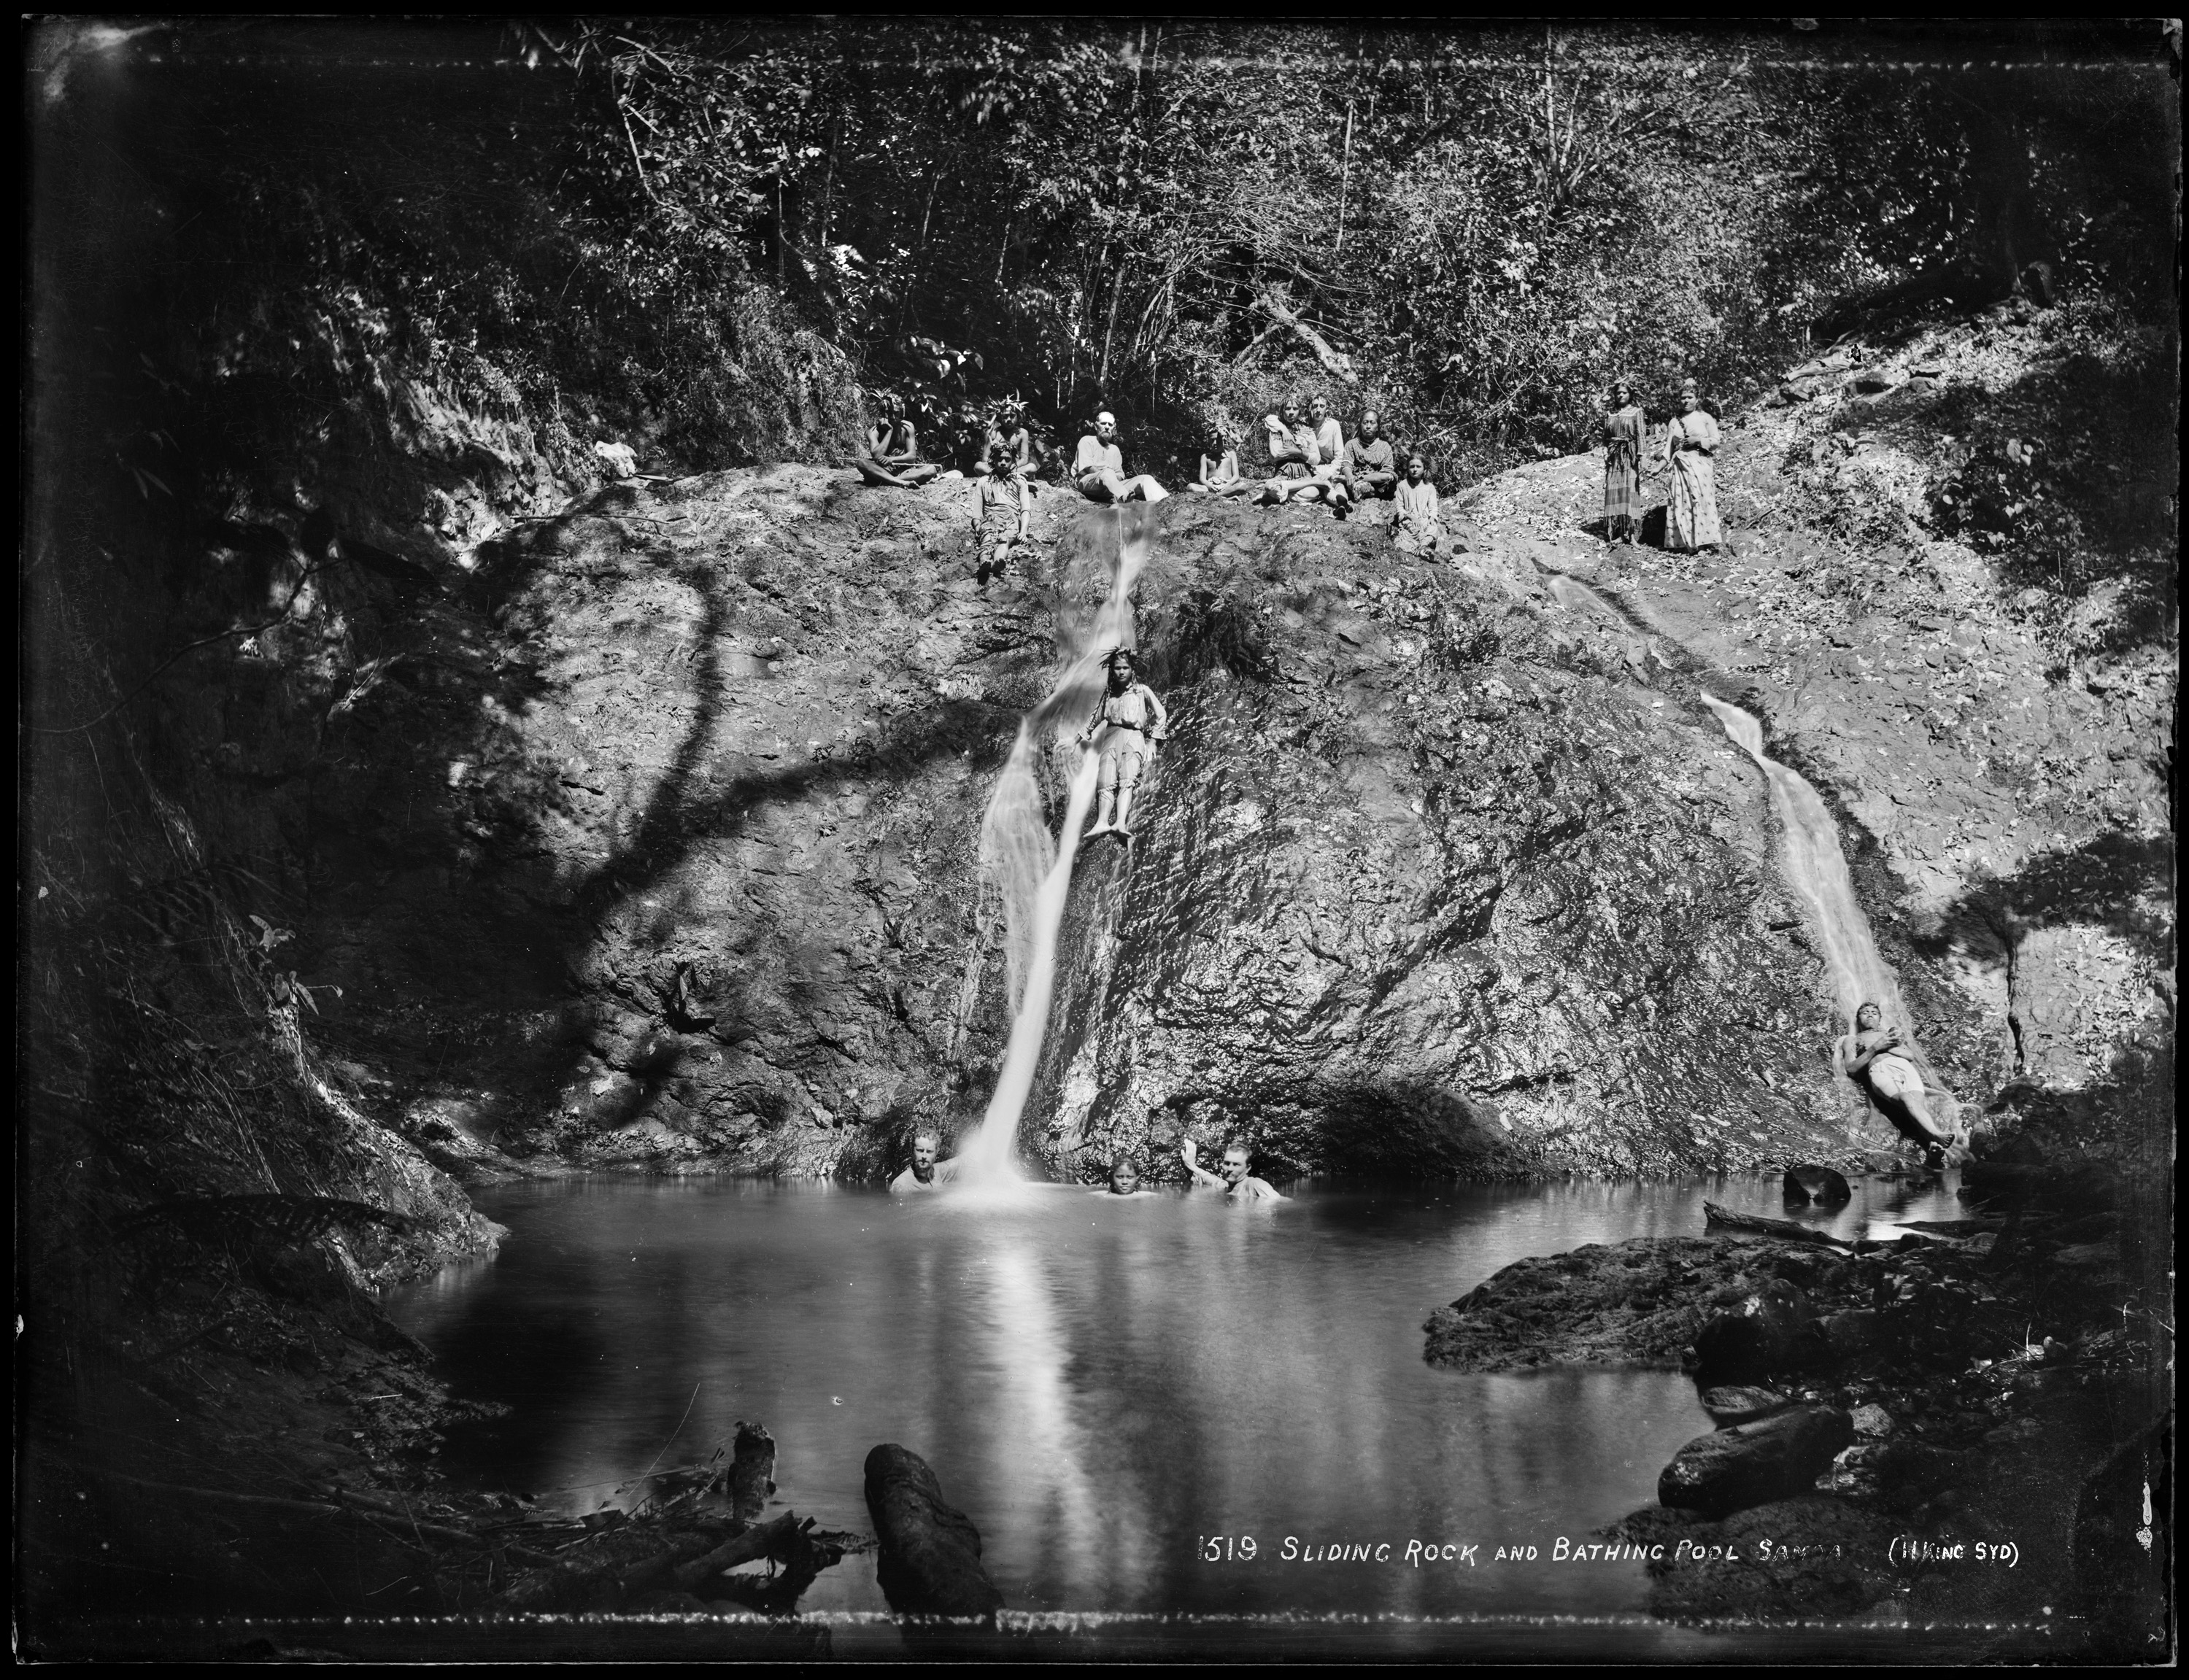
column 1954, row 1424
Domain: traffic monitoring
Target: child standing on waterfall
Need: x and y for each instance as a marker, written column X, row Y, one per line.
column 1126, row 726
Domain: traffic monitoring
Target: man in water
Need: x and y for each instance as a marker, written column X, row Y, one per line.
column 1871, row 1056
column 925, row 1172
column 1129, row 724
column 1237, row 1184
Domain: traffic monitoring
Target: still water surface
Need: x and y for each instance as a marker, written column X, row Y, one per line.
column 1102, row 1384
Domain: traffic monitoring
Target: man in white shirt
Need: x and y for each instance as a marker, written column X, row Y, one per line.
column 1099, row 468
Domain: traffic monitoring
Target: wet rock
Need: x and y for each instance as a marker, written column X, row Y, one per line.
column 1642, row 1301
column 1806, row 1184
column 1731, row 1405
column 1805, row 1556
column 1853, row 1331
column 1632, row 1302
column 1754, row 1464
column 931, row 1552
column 1763, row 1331
column 1872, row 1421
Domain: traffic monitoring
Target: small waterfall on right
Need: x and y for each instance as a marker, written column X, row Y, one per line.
column 1817, row 869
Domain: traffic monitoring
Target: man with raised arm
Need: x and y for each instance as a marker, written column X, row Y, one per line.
column 1129, row 724
column 1099, row 469
column 925, row 1172
column 1237, row 1184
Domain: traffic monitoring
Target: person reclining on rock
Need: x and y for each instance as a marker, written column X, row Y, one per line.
column 925, row 1172
column 1871, row 1056
column 1237, row 1184
column 1367, row 471
column 1294, row 455
column 891, row 455
column 1129, row 724
column 1099, row 468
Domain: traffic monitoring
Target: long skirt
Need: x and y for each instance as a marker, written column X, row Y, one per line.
column 1691, row 507
column 1622, row 480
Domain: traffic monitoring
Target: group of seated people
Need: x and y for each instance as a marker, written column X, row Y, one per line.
column 1313, row 460
column 1310, row 460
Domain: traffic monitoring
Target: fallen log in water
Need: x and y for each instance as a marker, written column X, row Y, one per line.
column 1756, row 1225
column 931, row 1552
column 764, row 1541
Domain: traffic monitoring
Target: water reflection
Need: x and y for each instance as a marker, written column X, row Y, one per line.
column 1101, row 1384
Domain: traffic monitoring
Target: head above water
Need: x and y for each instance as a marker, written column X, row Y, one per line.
column 1235, row 1163
column 925, row 1147
column 1124, row 1176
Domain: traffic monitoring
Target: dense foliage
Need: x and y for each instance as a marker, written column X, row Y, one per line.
column 1472, row 231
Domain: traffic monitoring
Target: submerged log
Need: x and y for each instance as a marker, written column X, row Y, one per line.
column 931, row 1552
column 1756, row 1225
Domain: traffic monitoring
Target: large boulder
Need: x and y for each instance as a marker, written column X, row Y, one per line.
column 931, row 1552
column 1754, row 1464
column 1766, row 1330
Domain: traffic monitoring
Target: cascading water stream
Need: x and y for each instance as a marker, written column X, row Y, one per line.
column 1818, row 871
column 1031, row 870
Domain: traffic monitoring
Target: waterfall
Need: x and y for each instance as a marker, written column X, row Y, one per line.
column 1032, row 872
column 1817, row 869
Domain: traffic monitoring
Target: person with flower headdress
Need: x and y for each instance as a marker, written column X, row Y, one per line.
column 1691, row 524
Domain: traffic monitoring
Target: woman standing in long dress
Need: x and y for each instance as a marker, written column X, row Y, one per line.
column 1691, row 495
column 1623, row 429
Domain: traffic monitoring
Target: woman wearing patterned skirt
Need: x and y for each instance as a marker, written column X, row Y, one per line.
column 1691, row 493
column 1623, row 464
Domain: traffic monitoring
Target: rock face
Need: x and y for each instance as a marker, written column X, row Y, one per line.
column 1754, row 1463
column 657, row 846
column 656, row 843
column 931, row 1552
